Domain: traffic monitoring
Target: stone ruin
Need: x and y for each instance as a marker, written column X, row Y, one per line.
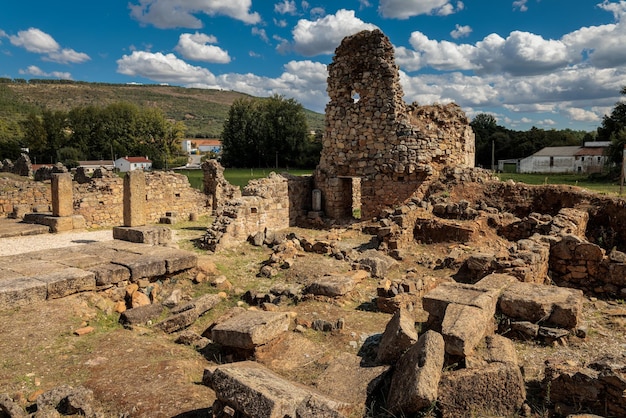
column 407, row 170
column 374, row 144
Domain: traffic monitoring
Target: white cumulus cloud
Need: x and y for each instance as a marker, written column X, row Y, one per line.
column 181, row 13
column 196, row 47
column 323, row 35
column 37, row 41
column 38, row 72
column 404, row 9
column 163, row 68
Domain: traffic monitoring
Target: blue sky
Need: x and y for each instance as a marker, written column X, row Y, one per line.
column 545, row 63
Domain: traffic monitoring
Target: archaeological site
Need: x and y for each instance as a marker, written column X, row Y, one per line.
column 397, row 280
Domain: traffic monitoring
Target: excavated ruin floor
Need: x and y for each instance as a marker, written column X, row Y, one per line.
column 143, row 373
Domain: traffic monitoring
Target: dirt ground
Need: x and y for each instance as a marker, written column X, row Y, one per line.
column 143, row 373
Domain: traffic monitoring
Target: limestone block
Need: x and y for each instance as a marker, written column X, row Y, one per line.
column 558, row 306
column 400, row 334
column 188, row 313
column 463, row 327
column 333, row 285
column 151, row 235
column 141, row 315
column 66, row 281
column 62, row 194
column 437, row 300
column 141, row 265
column 493, row 349
column 250, row 329
column 109, row 273
column 19, row 291
column 175, row 260
column 415, row 382
column 496, row 389
column 134, row 198
column 255, row 391
column 496, row 281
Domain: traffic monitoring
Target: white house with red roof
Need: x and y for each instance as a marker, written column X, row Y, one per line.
column 125, row 164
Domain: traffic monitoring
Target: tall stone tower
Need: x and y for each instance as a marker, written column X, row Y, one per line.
column 377, row 150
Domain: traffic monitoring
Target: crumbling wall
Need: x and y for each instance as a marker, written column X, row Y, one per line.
column 216, row 187
column 265, row 204
column 373, row 136
column 100, row 200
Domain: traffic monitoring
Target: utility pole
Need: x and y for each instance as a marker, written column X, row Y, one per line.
column 621, row 177
column 493, row 155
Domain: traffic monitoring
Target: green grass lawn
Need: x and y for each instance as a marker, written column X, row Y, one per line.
column 239, row 176
column 605, row 187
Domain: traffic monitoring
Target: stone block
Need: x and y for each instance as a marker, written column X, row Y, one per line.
column 141, row 315
column 493, row 349
column 255, row 391
column 415, row 381
column 496, row 389
column 187, row 314
column 463, row 327
column 109, row 273
column 557, row 306
column 437, row 300
column 496, row 281
column 62, row 194
column 67, row 281
column 250, row 329
column 20, row 291
column 175, row 260
column 141, row 266
column 333, row 285
column 400, row 334
column 151, row 235
column 134, row 199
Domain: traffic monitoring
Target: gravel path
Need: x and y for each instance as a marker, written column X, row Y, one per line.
column 20, row 245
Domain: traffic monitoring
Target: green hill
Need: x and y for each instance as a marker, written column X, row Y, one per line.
column 203, row 111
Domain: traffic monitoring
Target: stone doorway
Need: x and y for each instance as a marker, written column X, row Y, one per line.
column 350, row 197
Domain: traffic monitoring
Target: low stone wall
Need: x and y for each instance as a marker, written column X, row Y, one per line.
column 100, row 200
column 272, row 203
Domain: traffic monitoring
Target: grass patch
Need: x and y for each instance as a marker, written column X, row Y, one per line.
column 240, row 176
column 584, row 181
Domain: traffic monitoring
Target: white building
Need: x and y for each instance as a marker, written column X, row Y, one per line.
column 125, row 164
column 91, row 166
column 590, row 158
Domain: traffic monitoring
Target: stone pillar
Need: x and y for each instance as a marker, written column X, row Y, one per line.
column 135, row 198
column 62, row 195
column 317, row 200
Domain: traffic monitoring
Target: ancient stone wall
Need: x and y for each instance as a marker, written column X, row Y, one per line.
column 271, row 203
column 373, row 136
column 100, row 201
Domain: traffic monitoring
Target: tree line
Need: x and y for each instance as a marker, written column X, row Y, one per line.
column 497, row 142
column 97, row 133
column 508, row 144
column 268, row 133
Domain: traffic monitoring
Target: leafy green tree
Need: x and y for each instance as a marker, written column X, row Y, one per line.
column 264, row 133
column 613, row 129
column 35, row 137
